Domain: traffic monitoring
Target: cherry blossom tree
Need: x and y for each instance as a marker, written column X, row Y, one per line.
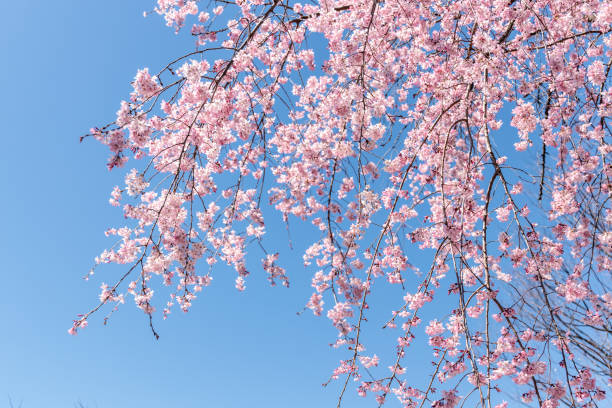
column 475, row 134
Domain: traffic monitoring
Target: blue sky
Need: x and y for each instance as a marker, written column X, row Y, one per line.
column 66, row 66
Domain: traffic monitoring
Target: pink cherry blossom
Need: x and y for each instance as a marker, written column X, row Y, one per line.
column 440, row 162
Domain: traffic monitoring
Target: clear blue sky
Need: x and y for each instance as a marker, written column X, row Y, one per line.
column 65, row 67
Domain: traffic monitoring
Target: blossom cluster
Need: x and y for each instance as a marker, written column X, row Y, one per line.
column 390, row 138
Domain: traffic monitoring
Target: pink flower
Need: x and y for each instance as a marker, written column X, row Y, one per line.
column 369, row 362
column 451, row 399
column 503, row 213
column 524, row 118
column 315, row 304
column 596, row 73
column 434, row 328
column 145, row 85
